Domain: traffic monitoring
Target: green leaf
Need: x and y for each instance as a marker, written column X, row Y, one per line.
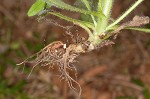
column 99, row 5
column 86, row 18
column 62, row 5
column 75, row 21
column 85, row 25
column 86, row 2
column 79, row 4
column 38, row 6
column 139, row 29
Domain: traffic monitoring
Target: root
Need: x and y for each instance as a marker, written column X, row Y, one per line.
column 54, row 54
column 57, row 54
column 68, row 58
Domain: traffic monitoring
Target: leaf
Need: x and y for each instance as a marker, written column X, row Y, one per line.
column 79, row 4
column 139, row 29
column 86, row 2
column 83, row 24
column 38, row 6
column 99, row 5
column 86, row 18
column 75, row 21
column 62, row 5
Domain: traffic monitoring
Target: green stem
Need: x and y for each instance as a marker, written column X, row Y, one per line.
column 125, row 14
column 105, row 6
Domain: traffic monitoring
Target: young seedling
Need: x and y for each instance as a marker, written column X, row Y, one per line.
column 99, row 29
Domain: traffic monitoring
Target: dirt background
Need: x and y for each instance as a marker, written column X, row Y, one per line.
column 120, row 71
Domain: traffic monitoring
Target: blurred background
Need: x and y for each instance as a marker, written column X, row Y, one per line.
column 120, row 71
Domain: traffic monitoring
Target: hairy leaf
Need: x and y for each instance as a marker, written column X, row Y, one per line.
column 36, row 7
column 139, row 29
column 86, row 2
column 75, row 21
column 62, row 5
column 86, row 18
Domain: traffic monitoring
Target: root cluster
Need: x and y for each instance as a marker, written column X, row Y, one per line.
column 58, row 54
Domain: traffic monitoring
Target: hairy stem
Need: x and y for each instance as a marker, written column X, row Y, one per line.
column 105, row 6
column 125, row 14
